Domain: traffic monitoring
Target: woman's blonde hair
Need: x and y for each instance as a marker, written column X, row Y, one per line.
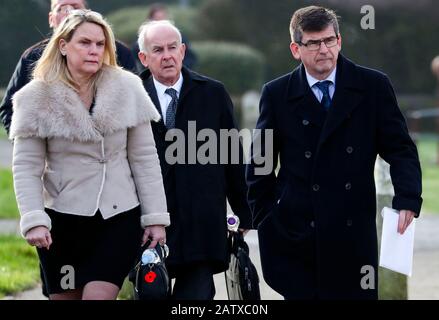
column 52, row 66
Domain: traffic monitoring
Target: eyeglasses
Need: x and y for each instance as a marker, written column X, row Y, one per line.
column 314, row 45
column 66, row 9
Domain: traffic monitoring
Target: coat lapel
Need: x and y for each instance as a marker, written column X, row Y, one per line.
column 347, row 96
column 190, row 80
column 150, row 88
column 305, row 104
column 188, row 84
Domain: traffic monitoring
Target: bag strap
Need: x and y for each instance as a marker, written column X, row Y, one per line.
column 235, row 241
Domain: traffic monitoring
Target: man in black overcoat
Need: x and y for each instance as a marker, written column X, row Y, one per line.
column 330, row 118
column 194, row 109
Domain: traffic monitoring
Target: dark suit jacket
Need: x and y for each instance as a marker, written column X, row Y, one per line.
column 196, row 194
column 316, row 218
column 23, row 74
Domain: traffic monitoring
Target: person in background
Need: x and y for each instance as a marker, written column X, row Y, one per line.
column 196, row 192
column 159, row 11
column 23, row 71
column 329, row 119
column 86, row 171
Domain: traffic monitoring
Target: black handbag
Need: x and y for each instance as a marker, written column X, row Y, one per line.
column 151, row 280
column 242, row 280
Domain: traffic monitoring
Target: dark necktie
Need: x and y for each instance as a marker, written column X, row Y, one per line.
column 324, row 88
column 172, row 107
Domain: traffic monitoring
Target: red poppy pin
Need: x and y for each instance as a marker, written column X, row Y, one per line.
column 150, row 277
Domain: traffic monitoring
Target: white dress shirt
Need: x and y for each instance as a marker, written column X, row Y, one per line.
column 312, row 81
column 165, row 98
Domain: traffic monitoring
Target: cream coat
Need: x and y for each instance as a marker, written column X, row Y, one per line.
column 69, row 161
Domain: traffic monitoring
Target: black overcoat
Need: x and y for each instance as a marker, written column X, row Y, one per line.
column 196, row 193
column 316, row 218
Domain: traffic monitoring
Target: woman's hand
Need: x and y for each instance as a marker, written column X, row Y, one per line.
column 156, row 233
column 39, row 237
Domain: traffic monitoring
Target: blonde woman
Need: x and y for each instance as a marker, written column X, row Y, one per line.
column 86, row 172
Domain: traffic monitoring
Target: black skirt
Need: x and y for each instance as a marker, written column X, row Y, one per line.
column 86, row 249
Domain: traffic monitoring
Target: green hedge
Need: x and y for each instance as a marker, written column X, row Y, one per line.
column 238, row 66
column 126, row 22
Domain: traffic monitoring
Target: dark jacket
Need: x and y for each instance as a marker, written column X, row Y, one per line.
column 196, row 194
column 23, row 74
column 316, row 219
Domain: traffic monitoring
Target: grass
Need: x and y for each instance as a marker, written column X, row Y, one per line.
column 3, row 134
column 18, row 265
column 8, row 205
column 427, row 148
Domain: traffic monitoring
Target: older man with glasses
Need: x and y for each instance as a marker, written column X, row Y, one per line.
column 330, row 118
column 22, row 75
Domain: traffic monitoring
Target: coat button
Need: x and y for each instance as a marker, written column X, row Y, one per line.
column 348, row 186
column 312, row 224
column 308, row 154
column 114, row 207
column 349, row 149
column 316, row 187
column 305, row 122
column 349, row 222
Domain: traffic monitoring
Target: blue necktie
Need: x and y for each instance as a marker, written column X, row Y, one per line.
column 172, row 108
column 324, row 88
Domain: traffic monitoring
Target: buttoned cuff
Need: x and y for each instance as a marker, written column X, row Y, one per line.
column 151, row 219
column 34, row 219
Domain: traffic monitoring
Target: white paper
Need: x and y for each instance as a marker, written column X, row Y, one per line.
column 396, row 249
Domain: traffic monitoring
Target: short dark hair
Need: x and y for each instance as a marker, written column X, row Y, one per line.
column 154, row 8
column 311, row 19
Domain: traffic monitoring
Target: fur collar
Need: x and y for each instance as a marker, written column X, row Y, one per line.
column 55, row 110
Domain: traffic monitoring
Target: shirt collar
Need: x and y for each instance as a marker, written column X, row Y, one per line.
column 160, row 88
column 312, row 81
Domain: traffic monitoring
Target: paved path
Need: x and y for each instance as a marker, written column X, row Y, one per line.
column 9, row 226
column 5, row 153
column 424, row 283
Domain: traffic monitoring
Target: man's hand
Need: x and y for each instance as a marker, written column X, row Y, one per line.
column 244, row 231
column 39, row 237
column 405, row 218
column 157, row 233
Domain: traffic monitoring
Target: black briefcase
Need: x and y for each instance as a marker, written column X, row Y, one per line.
column 242, row 280
column 151, row 280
